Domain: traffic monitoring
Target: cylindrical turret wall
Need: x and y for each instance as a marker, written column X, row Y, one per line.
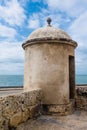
column 47, row 67
column 50, row 66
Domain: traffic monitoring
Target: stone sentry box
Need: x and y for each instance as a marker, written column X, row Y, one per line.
column 50, row 66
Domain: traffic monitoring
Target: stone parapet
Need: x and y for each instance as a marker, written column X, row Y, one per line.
column 15, row 109
column 81, row 98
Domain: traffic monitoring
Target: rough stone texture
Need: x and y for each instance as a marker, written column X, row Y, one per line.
column 49, row 32
column 4, row 123
column 15, row 109
column 81, row 98
column 76, row 121
column 58, row 109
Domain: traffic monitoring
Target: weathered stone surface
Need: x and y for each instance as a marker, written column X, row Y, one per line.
column 16, row 119
column 35, row 110
column 81, row 98
column 4, row 123
column 25, row 115
column 48, row 32
column 59, row 109
column 76, row 121
column 15, row 109
column 82, row 91
column 48, row 72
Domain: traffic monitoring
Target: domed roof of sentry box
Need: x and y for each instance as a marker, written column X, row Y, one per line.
column 47, row 33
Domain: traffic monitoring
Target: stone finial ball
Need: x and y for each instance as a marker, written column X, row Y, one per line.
column 49, row 20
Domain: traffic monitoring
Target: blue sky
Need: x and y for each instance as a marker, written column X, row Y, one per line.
column 18, row 18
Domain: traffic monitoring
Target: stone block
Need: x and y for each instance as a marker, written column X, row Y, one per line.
column 25, row 115
column 58, row 109
column 16, row 119
column 4, row 124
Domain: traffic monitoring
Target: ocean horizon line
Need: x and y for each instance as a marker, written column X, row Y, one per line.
column 23, row 74
column 18, row 80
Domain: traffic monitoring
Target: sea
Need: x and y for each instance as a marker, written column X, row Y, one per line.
column 17, row 80
column 11, row 81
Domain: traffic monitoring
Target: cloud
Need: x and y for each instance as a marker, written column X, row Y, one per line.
column 11, row 58
column 7, row 32
column 40, row 19
column 11, row 69
column 78, row 31
column 69, row 15
column 12, row 12
column 23, row 3
column 34, row 22
column 12, row 16
column 71, row 7
column 10, row 51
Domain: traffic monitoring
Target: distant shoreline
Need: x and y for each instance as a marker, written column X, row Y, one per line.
column 81, row 84
column 20, row 87
column 11, row 87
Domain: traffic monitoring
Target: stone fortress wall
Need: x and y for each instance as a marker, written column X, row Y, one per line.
column 81, row 98
column 18, row 108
